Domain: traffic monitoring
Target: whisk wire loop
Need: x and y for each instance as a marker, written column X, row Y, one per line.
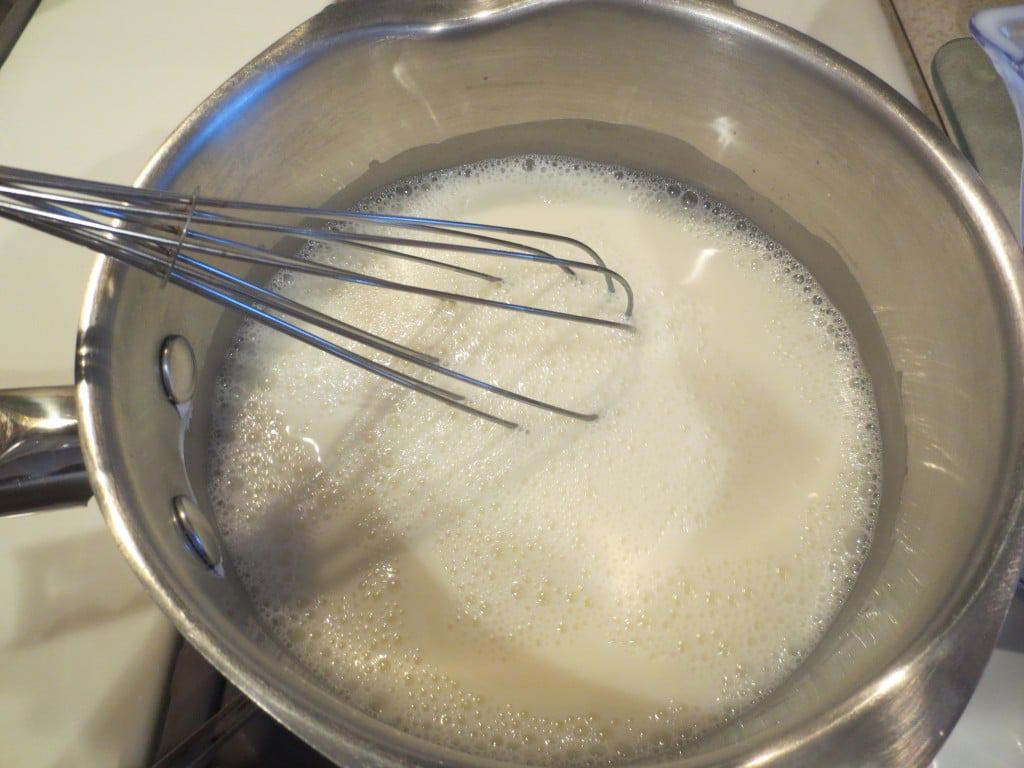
column 159, row 232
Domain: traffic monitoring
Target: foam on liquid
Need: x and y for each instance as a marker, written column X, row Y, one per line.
column 571, row 592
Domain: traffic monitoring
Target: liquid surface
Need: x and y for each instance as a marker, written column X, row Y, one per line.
column 569, row 592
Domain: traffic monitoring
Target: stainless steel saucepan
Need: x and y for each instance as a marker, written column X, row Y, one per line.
column 827, row 159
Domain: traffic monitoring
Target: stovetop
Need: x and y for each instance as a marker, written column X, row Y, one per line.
column 91, row 88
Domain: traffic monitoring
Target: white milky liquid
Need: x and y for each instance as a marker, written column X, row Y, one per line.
column 569, row 592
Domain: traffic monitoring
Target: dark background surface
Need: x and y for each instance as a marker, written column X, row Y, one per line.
column 14, row 15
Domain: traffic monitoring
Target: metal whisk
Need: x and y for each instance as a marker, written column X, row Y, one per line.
column 166, row 234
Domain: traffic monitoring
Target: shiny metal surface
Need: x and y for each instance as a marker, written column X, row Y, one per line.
column 200, row 536
column 178, row 369
column 172, row 236
column 888, row 216
column 41, row 462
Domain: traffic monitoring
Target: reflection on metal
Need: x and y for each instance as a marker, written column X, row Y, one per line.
column 725, row 131
column 178, row 369
column 199, row 534
column 893, row 680
column 41, row 464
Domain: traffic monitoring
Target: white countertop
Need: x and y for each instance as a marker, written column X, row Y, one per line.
column 91, row 89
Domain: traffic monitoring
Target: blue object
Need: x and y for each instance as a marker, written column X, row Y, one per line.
column 1001, row 33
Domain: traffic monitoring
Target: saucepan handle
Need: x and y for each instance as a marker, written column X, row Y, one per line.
column 41, row 461
column 1001, row 33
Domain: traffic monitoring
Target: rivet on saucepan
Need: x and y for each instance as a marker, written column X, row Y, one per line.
column 200, row 537
column 178, row 369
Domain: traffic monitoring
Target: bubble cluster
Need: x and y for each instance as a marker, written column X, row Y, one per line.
column 567, row 593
